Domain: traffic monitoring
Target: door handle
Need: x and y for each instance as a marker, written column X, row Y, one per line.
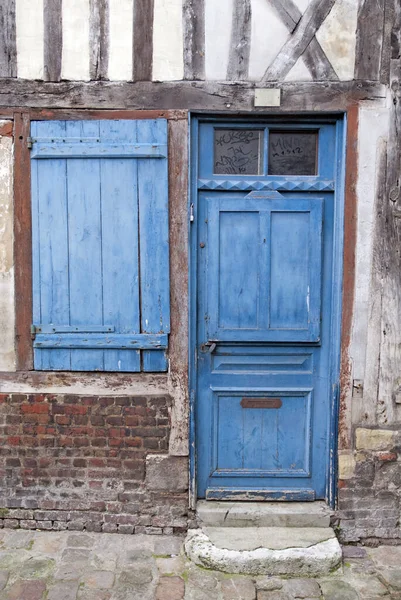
column 208, row 347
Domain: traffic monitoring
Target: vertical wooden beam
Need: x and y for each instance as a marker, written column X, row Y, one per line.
column 8, row 46
column 99, row 39
column 389, row 244
column 53, row 40
column 350, row 233
column 369, row 39
column 178, row 229
column 240, row 44
column 194, row 39
column 22, row 243
column 389, row 16
column 143, row 40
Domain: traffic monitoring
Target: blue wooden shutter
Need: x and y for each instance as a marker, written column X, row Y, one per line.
column 100, row 245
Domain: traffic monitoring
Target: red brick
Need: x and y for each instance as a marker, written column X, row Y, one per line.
column 135, row 442
column 99, row 442
column 116, row 442
column 118, row 432
column 106, row 401
column 62, row 420
column 72, row 409
column 387, row 456
column 35, row 408
column 97, row 462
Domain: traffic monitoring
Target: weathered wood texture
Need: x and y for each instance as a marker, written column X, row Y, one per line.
column 8, row 48
column 314, row 57
column 22, row 243
column 364, row 406
column 178, row 227
column 389, row 243
column 99, row 39
column 296, row 45
column 143, row 40
column 389, row 16
column 72, row 114
column 369, row 39
column 104, row 384
column 304, row 96
column 350, row 235
column 194, row 39
column 53, row 39
column 240, row 44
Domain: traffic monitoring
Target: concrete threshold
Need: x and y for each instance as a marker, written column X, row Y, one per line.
column 263, row 514
column 292, row 539
column 288, row 551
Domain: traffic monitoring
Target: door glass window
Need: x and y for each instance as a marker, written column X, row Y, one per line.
column 238, row 152
column 292, row 152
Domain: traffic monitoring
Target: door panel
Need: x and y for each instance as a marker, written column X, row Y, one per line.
column 252, row 242
column 264, row 318
column 262, row 441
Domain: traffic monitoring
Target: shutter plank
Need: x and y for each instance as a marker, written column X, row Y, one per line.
column 119, row 184
column 36, row 308
column 85, row 245
column 50, row 303
column 154, row 253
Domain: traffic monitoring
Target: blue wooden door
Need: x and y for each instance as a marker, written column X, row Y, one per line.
column 264, row 245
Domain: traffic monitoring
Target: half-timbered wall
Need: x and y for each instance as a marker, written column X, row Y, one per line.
column 170, row 57
column 172, row 40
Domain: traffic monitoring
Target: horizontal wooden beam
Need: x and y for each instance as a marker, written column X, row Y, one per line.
column 99, row 149
column 142, row 341
column 186, row 95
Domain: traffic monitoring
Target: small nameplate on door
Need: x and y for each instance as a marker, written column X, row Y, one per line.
column 261, row 403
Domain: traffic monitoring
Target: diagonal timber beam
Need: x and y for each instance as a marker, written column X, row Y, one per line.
column 314, row 56
column 302, row 42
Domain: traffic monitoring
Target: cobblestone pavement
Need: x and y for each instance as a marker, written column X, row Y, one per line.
column 89, row 566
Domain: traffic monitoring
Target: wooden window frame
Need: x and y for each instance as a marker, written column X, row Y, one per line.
column 22, row 206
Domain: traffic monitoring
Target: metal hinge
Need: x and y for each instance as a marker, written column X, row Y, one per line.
column 33, row 332
column 191, row 213
column 29, row 143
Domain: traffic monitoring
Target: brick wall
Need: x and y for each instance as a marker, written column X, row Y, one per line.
column 89, row 462
column 370, row 488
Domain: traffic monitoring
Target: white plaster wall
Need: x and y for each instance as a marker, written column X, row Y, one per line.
column 268, row 36
column 337, row 36
column 75, row 56
column 29, row 33
column 299, row 72
column 218, row 18
column 302, row 4
column 120, row 39
column 7, row 352
column 168, row 60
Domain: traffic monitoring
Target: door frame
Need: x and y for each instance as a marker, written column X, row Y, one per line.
column 340, row 121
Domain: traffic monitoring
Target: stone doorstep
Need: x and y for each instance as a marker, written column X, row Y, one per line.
column 288, row 551
column 263, row 514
